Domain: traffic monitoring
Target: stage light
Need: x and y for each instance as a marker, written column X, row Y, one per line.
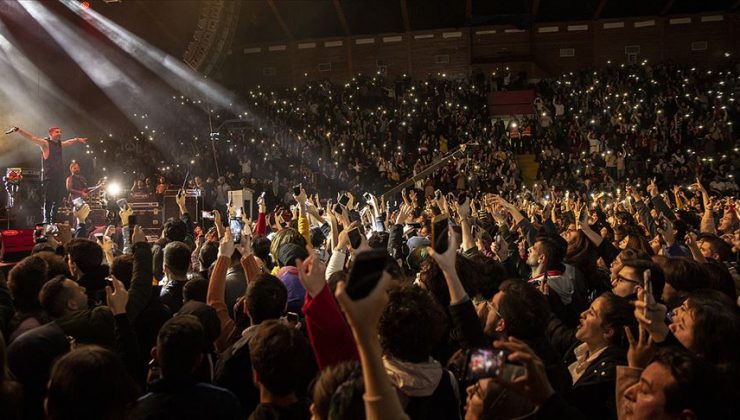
column 113, row 189
column 85, row 5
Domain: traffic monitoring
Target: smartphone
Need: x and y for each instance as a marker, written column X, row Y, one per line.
column 207, row 214
column 461, row 198
column 365, row 273
column 122, row 203
column 109, row 282
column 236, row 226
column 297, row 190
column 440, row 239
column 338, row 208
column 131, row 225
column 490, row 363
column 648, row 285
column 367, row 197
column 78, row 203
column 99, row 237
column 344, row 200
column 437, row 194
column 355, row 237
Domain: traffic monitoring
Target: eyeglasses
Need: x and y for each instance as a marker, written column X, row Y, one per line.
column 625, row 279
column 490, row 306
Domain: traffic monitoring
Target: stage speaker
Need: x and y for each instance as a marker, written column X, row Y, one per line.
column 243, row 198
column 193, row 204
column 15, row 244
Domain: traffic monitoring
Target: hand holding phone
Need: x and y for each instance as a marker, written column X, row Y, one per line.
column 648, row 286
column 365, row 273
column 355, row 237
column 440, row 238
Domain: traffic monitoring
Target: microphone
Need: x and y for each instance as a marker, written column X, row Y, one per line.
column 11, row 130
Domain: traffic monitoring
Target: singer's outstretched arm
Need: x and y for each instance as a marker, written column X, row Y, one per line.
column 70, row 142
column 37, row 140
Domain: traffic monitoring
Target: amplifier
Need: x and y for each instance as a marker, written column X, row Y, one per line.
column 149, row 218
column 98, row 216
column 193, row 203
column 15, row 244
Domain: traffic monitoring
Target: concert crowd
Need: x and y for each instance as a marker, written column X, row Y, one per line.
column 605, row 288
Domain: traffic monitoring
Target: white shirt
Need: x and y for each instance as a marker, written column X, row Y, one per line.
column 583, row 360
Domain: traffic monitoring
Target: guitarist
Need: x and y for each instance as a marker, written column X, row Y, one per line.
column 76, row 183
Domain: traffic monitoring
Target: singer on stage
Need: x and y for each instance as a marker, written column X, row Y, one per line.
column 52, row 167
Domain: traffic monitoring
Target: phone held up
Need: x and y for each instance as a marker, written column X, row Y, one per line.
column 365, row 273
column 440, row 229
column 490, row 363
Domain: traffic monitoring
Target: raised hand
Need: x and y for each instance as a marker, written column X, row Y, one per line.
column 641, row 351
column 311, row 272
column 534, row 383
column 116, row 296
column 363, row 314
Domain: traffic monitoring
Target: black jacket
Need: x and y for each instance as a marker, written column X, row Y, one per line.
column 593, row 394
column 184, row 400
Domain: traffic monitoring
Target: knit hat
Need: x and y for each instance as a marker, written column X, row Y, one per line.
column 288, row 253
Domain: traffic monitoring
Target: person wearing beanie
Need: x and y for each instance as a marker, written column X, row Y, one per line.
column 288, row 274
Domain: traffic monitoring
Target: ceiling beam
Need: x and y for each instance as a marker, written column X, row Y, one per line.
column 667, row 7
column 279, row 19
column 405, row 16
column 535, row 7
column 342, row 18
column 599, row 9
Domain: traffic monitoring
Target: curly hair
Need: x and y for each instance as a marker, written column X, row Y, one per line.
column 412, row 324
column 434, row 281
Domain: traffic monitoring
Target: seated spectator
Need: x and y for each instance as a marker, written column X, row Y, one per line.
column 682, row 275
column 567, row 291
column 675, row 385
column 177, row 394
column 601, row 347
column 631, row 278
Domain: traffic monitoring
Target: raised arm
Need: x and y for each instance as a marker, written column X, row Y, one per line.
column 30, row 137
column 70, row 142
column 217, row 289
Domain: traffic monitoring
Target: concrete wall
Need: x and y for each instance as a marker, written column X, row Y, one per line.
column 542, row 50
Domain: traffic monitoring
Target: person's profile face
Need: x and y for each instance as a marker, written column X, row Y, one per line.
column 682, row 325
column 646, row 399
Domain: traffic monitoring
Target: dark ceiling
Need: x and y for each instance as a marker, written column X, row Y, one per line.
column 169, row 24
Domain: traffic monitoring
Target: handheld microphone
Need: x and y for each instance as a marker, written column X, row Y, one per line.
column 11, row 130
